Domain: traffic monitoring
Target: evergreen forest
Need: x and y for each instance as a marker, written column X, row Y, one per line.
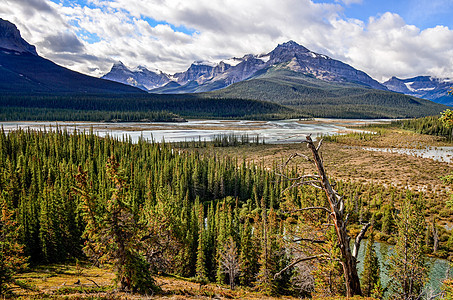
column 154, row 208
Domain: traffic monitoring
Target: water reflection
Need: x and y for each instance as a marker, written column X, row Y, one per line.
column 437, row 268
column 444, row 154
column 273, row 132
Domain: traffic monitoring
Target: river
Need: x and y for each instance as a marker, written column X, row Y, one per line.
column 437, row 268
column 273, row 132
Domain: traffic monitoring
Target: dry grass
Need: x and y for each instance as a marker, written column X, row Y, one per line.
column 88, row 282
column 346, row 160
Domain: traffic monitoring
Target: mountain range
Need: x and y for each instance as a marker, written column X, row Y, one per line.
column 205, row 76
column 297, row 81
column 426, row 87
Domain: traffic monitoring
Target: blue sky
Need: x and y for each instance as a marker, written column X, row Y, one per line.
column 421, row 13
column 381, row 37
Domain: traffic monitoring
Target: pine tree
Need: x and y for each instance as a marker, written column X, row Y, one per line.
column 371, row 271
column 272, row 252
column 11, row 252
column 116, row 236
column 329, row 279
column 248, row 255
column 388, row 223
column 201, row 272
column 406, row 265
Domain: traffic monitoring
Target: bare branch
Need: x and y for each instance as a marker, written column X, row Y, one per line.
column 92, row 281
column 296, row 262
column 303, row 177
column 359, row 238
column 341, row 210
column 312, row 183
column 309, row 208
column 438, row 295
column 294, row 155
column 319, row 145
column 308, row 240
column 346, row 219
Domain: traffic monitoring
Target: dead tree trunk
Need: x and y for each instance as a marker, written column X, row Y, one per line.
column 339, row 220
column 336, row 203
column 435, row 237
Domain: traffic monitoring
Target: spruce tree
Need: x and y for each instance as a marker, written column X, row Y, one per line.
column 371, row 271
column 407, row 266
column 116, row 236
column 11, row 251
column 201, row 271
column 271, row 258
column 388, row 223
column 248, row 255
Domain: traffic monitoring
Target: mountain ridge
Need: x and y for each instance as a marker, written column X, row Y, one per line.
column 211, row 76
column 426, row 87
column 11, row 39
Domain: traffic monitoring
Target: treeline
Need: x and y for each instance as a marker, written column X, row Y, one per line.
column 329, row 99
column 428, row 125
column 50, row 114
column 95, row 107
column 198, row 216
column 223, row 140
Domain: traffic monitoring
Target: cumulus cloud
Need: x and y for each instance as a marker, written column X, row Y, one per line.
column 349, row 2
column 62, row 42
column 170, row 34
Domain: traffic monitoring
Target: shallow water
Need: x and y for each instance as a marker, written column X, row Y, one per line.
column 444, row 154
column 437, row 268
column 273, row 132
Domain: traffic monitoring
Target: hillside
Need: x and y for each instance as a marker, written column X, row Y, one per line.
column 147, row 107
column 28, row 73
column 23, row 71
column 426, row 87
column 327, row 99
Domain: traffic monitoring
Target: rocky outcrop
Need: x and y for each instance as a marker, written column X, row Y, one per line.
column 141, row 77
column 11, row 39
column 426, row 87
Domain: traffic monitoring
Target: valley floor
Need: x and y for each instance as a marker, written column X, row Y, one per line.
column 71, row 281
column 346, row 159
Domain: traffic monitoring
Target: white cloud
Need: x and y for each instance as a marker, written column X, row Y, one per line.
column 349, row 2
column 124, row 30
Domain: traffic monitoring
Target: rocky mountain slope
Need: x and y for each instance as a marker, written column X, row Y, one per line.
column 141, row 77
column 426, row 87
column 22, row 70
column 205, row 76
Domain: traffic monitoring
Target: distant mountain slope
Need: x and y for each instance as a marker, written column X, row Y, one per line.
column 141, row 77
column 205, row 76
column 426, row 87
column 22, row 70
column 327, row 99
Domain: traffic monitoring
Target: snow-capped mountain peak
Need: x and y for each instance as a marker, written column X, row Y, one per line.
column 204, row 63
column 205, row 75
column 427, row 87
column 140, row 76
